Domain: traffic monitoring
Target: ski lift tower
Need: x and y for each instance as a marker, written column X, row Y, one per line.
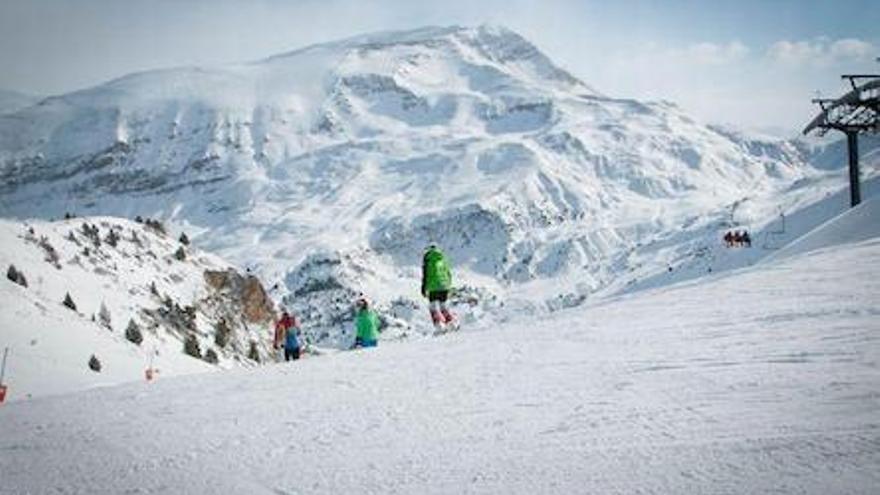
column 858, row 111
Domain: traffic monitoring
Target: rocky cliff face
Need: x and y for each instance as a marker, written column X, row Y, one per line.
column 245, row 294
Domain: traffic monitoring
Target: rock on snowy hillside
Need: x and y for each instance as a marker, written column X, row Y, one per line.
column 542, row 190
column 136, row 295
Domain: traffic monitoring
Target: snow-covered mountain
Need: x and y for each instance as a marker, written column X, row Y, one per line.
column 13, row 101
column 328, row 169
column 136, row 295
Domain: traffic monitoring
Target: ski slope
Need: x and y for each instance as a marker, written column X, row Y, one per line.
column 764, row 380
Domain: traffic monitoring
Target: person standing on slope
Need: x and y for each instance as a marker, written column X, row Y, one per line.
column 436, row 283
column 366, row 323
column 287, row 335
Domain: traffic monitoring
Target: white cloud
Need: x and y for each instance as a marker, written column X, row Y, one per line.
column 852, row 48
column 713, row 53
column 821, row 51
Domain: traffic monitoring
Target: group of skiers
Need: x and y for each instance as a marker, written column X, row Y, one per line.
column 738, row 239
column 436, row 287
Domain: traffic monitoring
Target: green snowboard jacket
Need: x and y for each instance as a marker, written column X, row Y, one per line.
column 436, row 275
column 367, row 323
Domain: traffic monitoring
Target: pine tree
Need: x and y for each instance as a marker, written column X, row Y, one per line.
column 211, row 357
column 104, row 317
column 221, row 333
column 68, row 301
column 133, row 333
column 94, row 364
column 112, row 238
column 253, row 352
column 191, row 346
column 180, row 254
column 16, row 276
column 184, row 239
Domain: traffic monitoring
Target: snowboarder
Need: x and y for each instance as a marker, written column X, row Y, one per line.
column 728, row 239
column 366, row 323
column 747, row 239
column 287, row 336
column 436, row 283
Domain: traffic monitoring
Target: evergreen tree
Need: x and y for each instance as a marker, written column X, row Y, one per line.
column 112, row 238
column 94, row 364
column 68, row 301
column 253, row 352
column 133, row 333
column 191, row 346
column 211, row 357
column 104, row 317
column 221, row 333
column 16, row 276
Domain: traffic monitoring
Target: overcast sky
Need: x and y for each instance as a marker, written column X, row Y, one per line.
column 753, row 63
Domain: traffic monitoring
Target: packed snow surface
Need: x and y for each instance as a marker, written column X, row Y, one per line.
column 763, row 380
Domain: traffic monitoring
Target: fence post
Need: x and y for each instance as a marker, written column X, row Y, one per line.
column 3, row 387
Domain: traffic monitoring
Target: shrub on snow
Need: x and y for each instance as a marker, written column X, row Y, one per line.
column 133, row 333
column 16, row 276
column 68, row 301
column 191, row 346
column 94, row 364
column 211, row 356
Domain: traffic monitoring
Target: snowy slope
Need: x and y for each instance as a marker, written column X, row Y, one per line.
column 360, row 152
column 854, row 225
column 135, row 279
column 763, row 381
column 13, row 101
column 774, row 224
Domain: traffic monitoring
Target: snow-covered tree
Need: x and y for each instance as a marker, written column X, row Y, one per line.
column 180, row 254
column 191, row 346
column 133, row 332
column 51, row 254
column 221, row 333
column 184, row 239
column 104, row 317
column 211, row 357
column 253, row 352
column 112, row 238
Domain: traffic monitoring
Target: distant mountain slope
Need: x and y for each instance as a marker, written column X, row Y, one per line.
column 118, row 273
column 13, row 101
column 363, row 151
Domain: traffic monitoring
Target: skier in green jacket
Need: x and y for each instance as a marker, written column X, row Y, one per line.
column 367, row 324
column 436, row 284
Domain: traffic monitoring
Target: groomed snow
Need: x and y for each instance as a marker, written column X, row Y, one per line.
column 762, row 381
